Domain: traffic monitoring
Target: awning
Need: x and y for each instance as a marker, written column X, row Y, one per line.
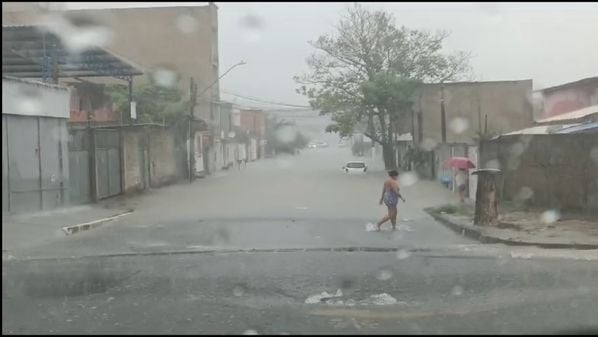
column 30, row 52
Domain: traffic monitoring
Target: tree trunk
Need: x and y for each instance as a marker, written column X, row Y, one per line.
column 486, row 203
column 388, row 153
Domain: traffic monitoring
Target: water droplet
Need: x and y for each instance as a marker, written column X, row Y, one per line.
column 550, row 216
column 459, row 125
column 164, row 77
column 408, row 178
column 513, row 163
column 252, row 26
column 524, row 193
column 252, row 21
column 78, row 33
column 428, row 144
column 250, row 332
column 403, row 254
column 238, row 291
column 457, row 291
column 583, row 290
column 493, row 164
column 594, row 155
column 517, row 149
column 384, row 275
column 286, row 134
column 187, row 24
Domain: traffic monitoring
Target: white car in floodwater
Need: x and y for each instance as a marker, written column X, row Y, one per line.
column 355, row 167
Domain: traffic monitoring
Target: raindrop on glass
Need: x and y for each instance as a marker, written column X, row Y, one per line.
column 286, row 134
column 251, row 26
column 457, row 291
column 517, row 149
column 550, row 216
column 187, row 24
column 594, row 155
column 164, row 77
column 403, row 254
column 384, row 275
column 525, row 193
column 428, row 144
column 238, row 291
column 78, row 33
column 459, row 125
column 493, row 164
column 408, row 178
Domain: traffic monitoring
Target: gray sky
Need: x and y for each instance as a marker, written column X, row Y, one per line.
column 551, row 43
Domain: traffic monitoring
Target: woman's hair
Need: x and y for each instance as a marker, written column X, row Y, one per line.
column 393, row 173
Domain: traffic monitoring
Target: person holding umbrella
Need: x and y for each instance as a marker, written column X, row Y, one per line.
column 462, row 164
column 461, row 178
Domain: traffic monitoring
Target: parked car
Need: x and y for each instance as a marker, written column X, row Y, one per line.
column 355, row 167
column 315, row 145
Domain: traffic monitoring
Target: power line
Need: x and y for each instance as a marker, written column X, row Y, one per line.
column 265, row 101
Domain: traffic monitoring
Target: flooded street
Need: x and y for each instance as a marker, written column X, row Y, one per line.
column 251, row 249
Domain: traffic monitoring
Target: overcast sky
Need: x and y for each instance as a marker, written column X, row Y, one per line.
column 551, row 43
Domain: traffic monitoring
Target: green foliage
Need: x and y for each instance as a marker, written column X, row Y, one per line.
column 155, row 104
column 299, row 140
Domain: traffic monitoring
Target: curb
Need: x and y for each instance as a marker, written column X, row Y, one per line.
column 70, row 230
column 477, row 235
column 223, row 251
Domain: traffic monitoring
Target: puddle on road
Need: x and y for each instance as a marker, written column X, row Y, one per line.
column 46, row 279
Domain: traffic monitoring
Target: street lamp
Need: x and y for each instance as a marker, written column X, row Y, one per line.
column 221, row 76
column 194, row 96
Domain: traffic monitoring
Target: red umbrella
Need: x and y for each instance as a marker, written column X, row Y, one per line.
column 459, row 163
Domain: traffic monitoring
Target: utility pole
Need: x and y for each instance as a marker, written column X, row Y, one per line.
column 190, row 135
column 442, row 112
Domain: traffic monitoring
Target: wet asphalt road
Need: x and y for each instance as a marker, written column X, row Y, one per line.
column 293, row 204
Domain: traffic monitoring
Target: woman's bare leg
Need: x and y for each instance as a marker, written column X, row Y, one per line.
column 383, row 220
column 393, row 218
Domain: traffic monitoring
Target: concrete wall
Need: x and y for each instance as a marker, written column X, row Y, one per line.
column 560, row 101
column 507, row 105
column 162, row 157
column 133, row 179
column 150, row 158
column 561, row 171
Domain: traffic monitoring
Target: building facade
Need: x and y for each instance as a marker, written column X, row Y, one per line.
column 569, row 97
column 471, row 108
column 35, row 157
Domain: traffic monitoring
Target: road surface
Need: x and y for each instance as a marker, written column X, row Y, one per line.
column 255, row 250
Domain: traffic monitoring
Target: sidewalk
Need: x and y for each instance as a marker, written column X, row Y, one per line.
column 27, row 230
column 522, row 228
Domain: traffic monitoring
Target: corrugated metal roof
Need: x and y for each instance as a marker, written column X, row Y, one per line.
column 539, row 130
column 34, row 82
column 583, row 128
column 571, row 116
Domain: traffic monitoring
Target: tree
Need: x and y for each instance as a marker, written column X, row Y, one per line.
column 283, row 136
column 155, row 104
column 366, row 74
